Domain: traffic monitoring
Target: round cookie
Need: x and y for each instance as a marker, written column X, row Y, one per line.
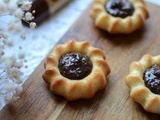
column 144, row 80
column 76, row 70
column 119, row 16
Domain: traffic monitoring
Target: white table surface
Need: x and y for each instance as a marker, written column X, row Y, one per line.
column 40, row 41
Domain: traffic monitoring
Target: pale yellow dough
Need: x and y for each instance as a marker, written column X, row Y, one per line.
column 138, row 91
column 76, row 89
column 113, row 24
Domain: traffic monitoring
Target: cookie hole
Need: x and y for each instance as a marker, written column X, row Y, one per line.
column 152, row 78
column 75, row 65
column 119, row 8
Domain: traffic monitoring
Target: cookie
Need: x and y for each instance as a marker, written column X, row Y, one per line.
column 143, row 81
column 76, row 70
column 119, row 16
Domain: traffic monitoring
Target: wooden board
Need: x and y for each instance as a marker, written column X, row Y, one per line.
column 38, row 103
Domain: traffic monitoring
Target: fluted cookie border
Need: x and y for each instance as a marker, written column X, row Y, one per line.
column 115, row 25
column 76, row 89
column 138, row 91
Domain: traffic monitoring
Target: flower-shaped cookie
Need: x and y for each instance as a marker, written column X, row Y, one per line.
column 119, row 16
column 76, row 70
column 144, row 82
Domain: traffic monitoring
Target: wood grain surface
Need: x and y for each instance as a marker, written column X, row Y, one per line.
column 38, row 103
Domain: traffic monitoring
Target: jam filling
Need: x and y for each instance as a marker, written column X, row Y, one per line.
column 75, row 65
column 152, row 78
column 119, row 8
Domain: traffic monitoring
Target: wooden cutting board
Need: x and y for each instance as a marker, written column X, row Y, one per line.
column 38, row 103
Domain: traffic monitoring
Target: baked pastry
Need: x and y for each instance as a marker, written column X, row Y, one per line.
column 144, row 82
column 119, row 16
column 76, row 70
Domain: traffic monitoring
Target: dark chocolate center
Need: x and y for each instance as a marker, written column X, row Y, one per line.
column 119, row 8
column 41, row 11
column 152, row 78
column 75, row 65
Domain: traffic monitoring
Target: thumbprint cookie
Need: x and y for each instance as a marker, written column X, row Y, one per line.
column 119, row 16
column 144, row 82
column 76, row 70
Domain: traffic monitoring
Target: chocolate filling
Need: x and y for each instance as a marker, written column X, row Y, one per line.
column 119, row 8
column 75, row 65
column 152, row 78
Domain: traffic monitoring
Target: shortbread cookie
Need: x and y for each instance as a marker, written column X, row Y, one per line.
column 144, row 82
column 76, row 70
column 119, row 16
